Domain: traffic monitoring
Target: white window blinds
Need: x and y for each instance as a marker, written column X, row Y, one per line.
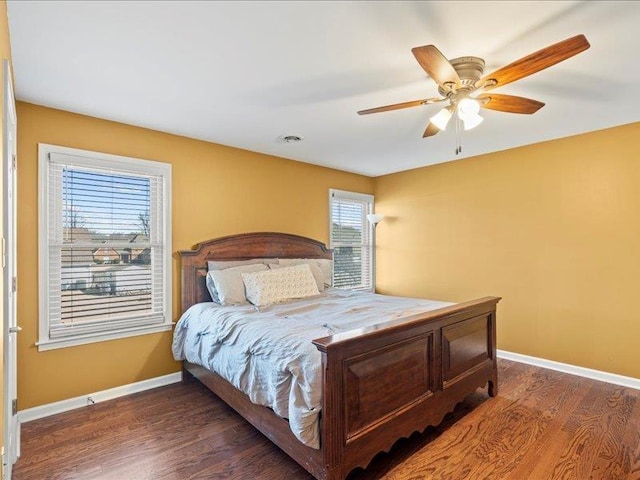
column 107, row 245
column 351, row 239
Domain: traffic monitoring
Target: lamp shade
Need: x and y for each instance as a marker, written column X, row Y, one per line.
column 468, row 107
column 472, row 121
column 441, row 118
column 374, row 218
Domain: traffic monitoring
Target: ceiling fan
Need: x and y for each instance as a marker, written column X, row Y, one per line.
column 461, row 84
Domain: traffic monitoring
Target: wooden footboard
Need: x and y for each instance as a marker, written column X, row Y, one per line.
column 385, row 382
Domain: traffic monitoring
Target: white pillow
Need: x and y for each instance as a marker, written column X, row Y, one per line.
column 278, row 285
column 226, row 287
column 326, row 266
column 315, row 270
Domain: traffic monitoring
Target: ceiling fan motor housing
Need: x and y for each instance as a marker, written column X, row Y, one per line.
column 469, row 69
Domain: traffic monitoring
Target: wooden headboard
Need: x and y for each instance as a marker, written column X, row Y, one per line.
column 240, row 247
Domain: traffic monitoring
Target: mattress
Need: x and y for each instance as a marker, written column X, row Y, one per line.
column 266, row 352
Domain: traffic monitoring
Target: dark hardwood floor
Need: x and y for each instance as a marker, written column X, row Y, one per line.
column 543, row 425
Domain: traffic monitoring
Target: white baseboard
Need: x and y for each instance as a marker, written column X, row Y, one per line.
column 572, row 369
column 42, row 411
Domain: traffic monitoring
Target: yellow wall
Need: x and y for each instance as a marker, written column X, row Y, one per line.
column 217, row 191
column 5, row 53
column 553, row 228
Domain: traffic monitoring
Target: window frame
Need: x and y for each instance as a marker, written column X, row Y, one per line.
column 370, row 200
column 126, row 165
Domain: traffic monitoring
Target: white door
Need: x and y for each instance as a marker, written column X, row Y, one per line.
column 11, row 424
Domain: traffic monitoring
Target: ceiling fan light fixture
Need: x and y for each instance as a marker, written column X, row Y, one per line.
column 467, row 108
column 441, row 119
column 461, row 83
column 472, row 121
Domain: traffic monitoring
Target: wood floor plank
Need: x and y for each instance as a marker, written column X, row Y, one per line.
column 543, row 425
column 631, row 442
column 608, row 463
column 586, row 429
column 554, row 402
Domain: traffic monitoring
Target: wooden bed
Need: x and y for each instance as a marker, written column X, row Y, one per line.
column 380, row 383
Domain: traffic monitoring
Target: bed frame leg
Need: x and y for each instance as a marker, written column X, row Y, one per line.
column 493, row 387
column 186, row 375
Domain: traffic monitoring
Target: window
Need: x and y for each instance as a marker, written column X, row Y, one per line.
column 105, row 247
column 351, row 239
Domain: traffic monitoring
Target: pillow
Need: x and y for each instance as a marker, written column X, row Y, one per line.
column 224, row 264
column 278, row 285
column 226, row 287
column 326, row 266
column 315, row 270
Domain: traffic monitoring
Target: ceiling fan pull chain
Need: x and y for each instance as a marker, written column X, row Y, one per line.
column 458, row 141
column 456, row 133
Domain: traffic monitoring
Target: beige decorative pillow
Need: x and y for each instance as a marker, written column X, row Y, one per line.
column 227, row 284
column 278, row 285
column 315, row 270
column 326, row 266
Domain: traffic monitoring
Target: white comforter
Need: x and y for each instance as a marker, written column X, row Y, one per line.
column 267, row 352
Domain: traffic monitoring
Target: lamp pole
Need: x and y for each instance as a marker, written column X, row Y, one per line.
column 374, row 220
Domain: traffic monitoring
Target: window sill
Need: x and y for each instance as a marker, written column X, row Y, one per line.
column 52, row 344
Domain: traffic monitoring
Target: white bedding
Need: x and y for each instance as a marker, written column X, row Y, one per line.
column 267, row 352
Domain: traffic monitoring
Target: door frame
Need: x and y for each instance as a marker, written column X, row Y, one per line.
column 11, row 424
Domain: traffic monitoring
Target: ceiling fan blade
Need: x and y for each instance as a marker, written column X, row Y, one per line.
column 435, row 64
column 535, row 62
column 509, row 103
column 398, row 106
column 430, row 131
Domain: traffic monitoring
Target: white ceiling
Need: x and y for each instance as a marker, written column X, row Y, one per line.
column 245, row 73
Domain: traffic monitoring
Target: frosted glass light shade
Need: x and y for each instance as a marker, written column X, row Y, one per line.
column 472, row 121
column 375, row 218
column 468, row 107
column 441, row 118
